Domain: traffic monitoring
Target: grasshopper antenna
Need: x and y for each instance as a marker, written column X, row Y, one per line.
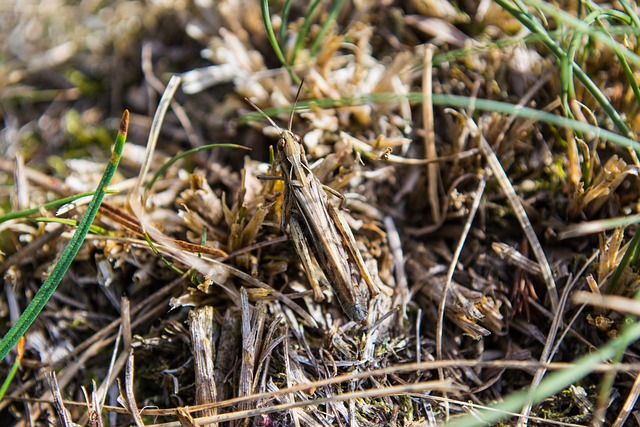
column 259, row 110
column 295, row 101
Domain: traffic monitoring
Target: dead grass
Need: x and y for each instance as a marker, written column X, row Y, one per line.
column 472, row 222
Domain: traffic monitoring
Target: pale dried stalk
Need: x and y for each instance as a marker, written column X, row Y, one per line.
column 629, row 404
column 521, row 215
column 128, row 400
column 450, row 272
column 433, row 170
column 201, row 328
column 63, row 414
column 399, row 390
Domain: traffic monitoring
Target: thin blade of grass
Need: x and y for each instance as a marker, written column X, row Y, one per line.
column 186, row 153
column 597, row 226
column 71, row 222
column 53, row 204
column 49, row 286
column 282, row 34
column 528, row 21
column 520, row 214
column 304, row 30
column 331, row 18
column 456, row 101
column 632, row 13
column 266, row 19
column 14, row 368
column 595, row 15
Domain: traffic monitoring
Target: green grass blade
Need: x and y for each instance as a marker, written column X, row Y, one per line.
column 282, row 35
column 53, row 204
column 304, row 30
column 165, row 261
column 579, row 25
column 464, row 52
column 595, row 16
column 331, row 18
column 533, row 25
column 73, row 223
column 552, row 384
column 630, row 12
column 266, row 19
column 14, row 369
column 49, row 286
column 455, row 101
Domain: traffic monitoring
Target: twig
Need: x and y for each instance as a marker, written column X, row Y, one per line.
column 452, row 267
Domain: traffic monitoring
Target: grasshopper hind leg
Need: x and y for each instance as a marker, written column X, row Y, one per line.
column 302, row 248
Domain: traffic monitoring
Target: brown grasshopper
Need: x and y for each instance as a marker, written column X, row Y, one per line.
column 318, row 229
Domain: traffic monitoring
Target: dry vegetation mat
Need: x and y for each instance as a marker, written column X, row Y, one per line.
column 396, row 213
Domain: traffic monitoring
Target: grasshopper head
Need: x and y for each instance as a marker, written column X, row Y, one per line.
column 357, row 313
column 290, row 146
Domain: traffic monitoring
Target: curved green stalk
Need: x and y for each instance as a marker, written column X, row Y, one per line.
column 266, row 19
column 165, row 261
column 595, row 16
column 567, row 90
column 73, row 223
column 70, row 251
column 630, row 12
column 534, row 26
column 454, row 101
column 331, row 17
column 285, row 23
column 304, row 30
column 186, row 153
column 14, row 369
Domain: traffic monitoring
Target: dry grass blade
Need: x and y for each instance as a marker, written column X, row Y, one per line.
column 407, row 389
column 520, row 213
column 252, row 324
column 452, row 268
column 515, row 258
column 63, row 413
column 128, row 400
column 610, row 302
column 185, row 418
column 629, row 404
column 433, row 172
column 395, row 245
column 547, row 353
column 94, row 407
column 201, row 323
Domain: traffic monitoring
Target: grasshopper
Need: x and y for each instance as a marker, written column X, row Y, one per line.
column 318, row 229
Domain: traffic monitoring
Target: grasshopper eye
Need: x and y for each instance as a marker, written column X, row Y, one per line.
column 282, row 143
column 297, row 139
